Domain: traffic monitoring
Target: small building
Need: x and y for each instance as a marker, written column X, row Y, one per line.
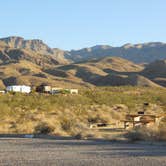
column 73, row 91
column 18, row 88
column 2, row 92
column 70, row 91
column 47, row 89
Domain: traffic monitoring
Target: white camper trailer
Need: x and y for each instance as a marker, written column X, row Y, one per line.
column 19, row 88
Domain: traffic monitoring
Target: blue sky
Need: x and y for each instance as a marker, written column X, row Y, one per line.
column 73, row 24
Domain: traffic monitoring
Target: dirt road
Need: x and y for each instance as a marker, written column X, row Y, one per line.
column 63, row 152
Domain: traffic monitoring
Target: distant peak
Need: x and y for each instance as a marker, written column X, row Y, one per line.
column 35, row 41
column 32, row 44
column 141, row 45
column 101, row 47
column 154, row 44
column 18, row 38
column 12, row 38
column 128, row 45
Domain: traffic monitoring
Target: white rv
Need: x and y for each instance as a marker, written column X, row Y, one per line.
column 18, row 88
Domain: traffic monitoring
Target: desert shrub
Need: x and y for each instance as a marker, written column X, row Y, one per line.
column 151, row 133
column 133, row 135
column 162, row 129
column 78, row 130
column 99, row 118
column 43, row 128
column 143, row 133
column 67, row 124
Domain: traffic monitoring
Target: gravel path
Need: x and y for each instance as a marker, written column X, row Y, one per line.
column 61, row 152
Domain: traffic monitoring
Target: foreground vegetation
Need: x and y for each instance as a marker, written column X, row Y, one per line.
column 70, row 115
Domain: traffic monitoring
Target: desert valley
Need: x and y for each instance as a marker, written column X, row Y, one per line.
column 83, row 83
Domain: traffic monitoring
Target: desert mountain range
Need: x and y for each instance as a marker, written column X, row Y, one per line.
column 33, row 62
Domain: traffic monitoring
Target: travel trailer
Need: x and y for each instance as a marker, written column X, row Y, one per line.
column 18, row 88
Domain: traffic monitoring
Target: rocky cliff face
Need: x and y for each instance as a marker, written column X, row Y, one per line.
column 33, row 46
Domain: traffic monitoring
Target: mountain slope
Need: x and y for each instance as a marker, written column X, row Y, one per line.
column 109, row 71
column 156, row 71
column 116, row 64
column 28, row 73
column 139, row 53
column 33, row 47
column 10, row 55
column 25, row 62
column 123, row 80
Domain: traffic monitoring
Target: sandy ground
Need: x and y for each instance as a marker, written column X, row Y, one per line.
column 70, row 152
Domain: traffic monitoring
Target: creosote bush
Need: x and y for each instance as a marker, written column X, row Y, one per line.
column 152, row 133
column 43, row 128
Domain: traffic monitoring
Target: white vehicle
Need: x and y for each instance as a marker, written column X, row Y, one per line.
column 19, row 88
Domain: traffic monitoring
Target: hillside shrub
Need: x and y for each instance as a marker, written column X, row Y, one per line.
column 43, row 128
column 151, row 133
